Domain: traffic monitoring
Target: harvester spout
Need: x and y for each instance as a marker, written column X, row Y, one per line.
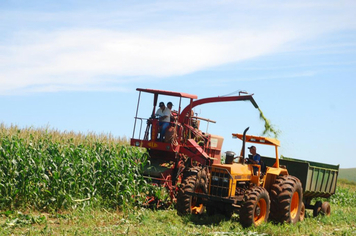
column 254, row 103
column 187, row 110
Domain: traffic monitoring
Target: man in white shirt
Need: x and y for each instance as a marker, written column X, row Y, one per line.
column 164, row 115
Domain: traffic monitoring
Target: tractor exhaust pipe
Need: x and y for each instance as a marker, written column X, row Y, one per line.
column 243, row 144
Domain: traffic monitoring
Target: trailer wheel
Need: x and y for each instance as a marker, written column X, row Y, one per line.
column 194, row 180
column 286, row 199
column 317, row 208
column 255, row 209
column 325, row 208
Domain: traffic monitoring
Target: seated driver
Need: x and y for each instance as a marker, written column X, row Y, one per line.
column 255, row 158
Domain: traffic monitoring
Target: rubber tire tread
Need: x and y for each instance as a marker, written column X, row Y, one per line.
column 251, row 198
column 302, row 213
column 196, row 178
column 281, row 198
column 325, row 209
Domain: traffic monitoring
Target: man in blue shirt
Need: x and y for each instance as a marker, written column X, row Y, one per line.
column 256, row 158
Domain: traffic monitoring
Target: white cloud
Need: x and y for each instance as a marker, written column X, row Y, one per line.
column 87, row 57
column 92, row 58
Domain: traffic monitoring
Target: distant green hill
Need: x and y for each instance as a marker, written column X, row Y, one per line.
column 349, row 174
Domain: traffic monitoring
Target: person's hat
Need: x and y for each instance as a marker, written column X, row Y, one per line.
column 169, row 103
column 251, row 147
column 161, row 104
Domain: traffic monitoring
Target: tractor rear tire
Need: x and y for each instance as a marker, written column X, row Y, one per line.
column 255, row 209
column 286, row 199
column 302, row 212
column 194, row 180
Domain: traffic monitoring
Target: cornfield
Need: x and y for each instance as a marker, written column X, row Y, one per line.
column 45, row 169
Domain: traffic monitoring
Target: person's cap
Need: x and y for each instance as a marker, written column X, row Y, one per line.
column 169, row 103
column 161, row 104
column 251, row 147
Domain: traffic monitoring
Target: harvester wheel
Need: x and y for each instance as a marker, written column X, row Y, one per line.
column 194, row 180
column 286, row 199
column 325, row 209
column 255, row 209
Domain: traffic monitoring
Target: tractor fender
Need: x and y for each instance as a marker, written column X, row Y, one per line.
column 271, row 175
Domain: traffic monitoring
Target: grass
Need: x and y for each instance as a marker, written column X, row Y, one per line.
column 142, row 221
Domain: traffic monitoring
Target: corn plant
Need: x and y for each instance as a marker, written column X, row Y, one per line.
column 43, row 170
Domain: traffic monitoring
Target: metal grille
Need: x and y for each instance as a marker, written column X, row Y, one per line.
column 220, row 182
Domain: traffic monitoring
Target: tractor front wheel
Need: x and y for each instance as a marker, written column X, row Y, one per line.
column 255, row 209
column 195, row 180
column 286, row 199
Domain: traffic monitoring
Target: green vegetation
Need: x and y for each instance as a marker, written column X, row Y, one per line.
column 141, row 221
column 54, row 183
column 348, row 174
column 45, row 170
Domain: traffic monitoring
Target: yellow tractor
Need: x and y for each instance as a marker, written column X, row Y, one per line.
column 256, row 194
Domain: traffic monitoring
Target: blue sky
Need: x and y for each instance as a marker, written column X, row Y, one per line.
column 75, row 65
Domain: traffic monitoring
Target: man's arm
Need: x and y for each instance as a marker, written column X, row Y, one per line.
column 257, row 159
column 162, row 117
column 166, row 113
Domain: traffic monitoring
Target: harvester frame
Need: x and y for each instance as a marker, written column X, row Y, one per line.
column 186, row 151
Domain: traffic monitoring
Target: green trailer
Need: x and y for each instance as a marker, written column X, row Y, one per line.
column 318, row 180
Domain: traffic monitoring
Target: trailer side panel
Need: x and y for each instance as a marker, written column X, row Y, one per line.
column 318, row 179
